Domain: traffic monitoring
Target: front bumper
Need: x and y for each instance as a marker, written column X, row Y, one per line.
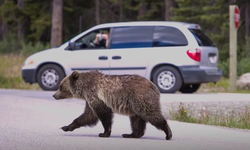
column 194, row 74
column 29, row 75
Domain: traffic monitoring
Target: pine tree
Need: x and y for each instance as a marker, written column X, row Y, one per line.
column 188, row 11
column 38, row 15
column 216, row 23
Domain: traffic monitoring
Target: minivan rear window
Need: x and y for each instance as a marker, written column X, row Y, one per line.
column 201, row 38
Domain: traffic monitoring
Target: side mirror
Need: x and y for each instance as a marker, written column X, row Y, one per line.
column 71, row 46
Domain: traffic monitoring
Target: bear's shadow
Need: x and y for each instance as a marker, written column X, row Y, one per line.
column 112, row 136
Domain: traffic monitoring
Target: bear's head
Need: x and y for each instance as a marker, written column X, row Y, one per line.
column 65, row 88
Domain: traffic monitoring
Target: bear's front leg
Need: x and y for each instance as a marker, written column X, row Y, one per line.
column 105, row 114
column 88, row 118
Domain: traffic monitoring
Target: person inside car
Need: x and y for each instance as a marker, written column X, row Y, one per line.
column 102, row 39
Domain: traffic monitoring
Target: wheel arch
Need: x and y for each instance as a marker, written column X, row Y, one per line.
column 161, row 65
column 47, row 63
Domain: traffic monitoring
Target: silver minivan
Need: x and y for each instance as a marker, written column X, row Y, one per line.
column 175, row 56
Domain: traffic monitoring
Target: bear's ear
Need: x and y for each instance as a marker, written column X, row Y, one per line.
column 74, row 76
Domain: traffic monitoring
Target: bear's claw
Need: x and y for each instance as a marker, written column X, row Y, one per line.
column 65, row 128
column 169, row 137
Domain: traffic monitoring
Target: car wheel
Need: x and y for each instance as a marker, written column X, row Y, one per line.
column 49, row 77
column 189, row 88
column 167, row 79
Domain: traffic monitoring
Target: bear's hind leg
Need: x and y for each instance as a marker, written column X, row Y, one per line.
column 88, row 118
column 160, row 123
column 138, row 126
column 105, row 114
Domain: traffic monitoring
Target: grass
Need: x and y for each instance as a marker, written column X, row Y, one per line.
column 223, row 86
column 10, row 72
column 232, row 119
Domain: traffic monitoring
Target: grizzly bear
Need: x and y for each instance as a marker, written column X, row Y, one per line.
column 130, row 95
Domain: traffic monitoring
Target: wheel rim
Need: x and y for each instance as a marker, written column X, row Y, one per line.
column 166, row 80
column 50, row 78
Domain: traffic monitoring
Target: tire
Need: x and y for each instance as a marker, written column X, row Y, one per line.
column 173, row 77
column 49, row 77
column 189, row 88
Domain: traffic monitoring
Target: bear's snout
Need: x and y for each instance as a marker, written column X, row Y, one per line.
column 56, row 97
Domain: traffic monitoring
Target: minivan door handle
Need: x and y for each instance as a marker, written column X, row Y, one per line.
column 103, row 57
column 116, row 57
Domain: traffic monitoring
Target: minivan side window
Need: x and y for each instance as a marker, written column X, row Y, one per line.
column 88, row 41
column 168, row 36
column 132, row 37
column 84, row 42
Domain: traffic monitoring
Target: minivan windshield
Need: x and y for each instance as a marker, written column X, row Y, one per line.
column 201, row 38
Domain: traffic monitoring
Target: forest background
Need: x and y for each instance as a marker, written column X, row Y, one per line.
column 28, row 26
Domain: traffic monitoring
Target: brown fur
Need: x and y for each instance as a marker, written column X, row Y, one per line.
column 130, row 95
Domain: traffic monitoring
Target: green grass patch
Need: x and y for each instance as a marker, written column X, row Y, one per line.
column 221, row 86
column 231, row 119
column 10, row 69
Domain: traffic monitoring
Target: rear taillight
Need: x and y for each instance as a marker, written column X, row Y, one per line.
column 194, row 54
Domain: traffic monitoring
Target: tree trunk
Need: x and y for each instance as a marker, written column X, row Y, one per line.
column 3, row 26
column 232, row 1
column 168, row 5
column 247, row 26
column 97, row 11
column 142, row 10
column 57, row 17
column 1, row 29
column 20, row 22
column 120, row 10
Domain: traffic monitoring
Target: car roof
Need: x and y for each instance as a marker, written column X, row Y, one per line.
column 149, row 23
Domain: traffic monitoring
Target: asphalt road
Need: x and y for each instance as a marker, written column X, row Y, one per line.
column 30, row 120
